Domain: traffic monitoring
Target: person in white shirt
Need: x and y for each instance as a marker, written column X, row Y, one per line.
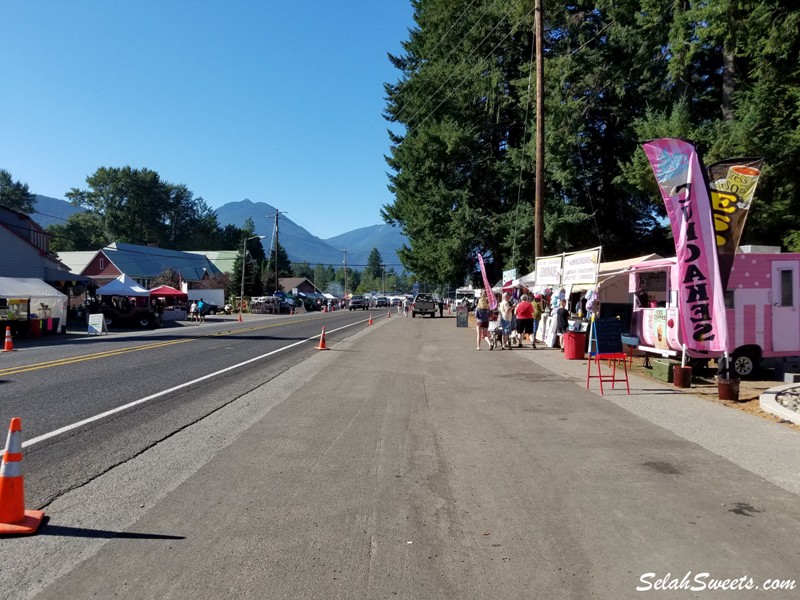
column 506, row 313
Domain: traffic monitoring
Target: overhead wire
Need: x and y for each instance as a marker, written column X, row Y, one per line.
column 441, row 64
column 463, row 62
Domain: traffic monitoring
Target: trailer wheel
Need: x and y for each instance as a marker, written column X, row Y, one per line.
column 745, row 363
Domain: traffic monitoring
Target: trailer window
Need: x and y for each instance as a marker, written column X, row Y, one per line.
column 787, row 290
column 729, row 299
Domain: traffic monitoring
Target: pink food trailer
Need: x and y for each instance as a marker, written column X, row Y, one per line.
column 762, row 303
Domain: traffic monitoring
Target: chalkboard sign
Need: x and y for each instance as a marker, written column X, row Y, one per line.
column 607, row 337
column 462, row 316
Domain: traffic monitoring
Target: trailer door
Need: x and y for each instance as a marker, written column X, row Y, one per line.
column 785, row 306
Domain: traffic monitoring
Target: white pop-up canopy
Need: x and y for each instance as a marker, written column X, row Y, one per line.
column 44, row 298
column 122, row 286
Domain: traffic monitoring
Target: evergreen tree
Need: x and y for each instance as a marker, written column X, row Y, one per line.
column 303, row 269
column 15, row 195
column 374, row 263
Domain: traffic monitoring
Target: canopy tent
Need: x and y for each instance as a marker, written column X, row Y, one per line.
column 166, row 291
column 122, row 286
column 528, row 280
column 507, row 286
column 46, row 301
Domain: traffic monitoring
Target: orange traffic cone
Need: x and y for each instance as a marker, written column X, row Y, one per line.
column 322, row 340
column 389, row 314
column 14, row 519
column 239, row 318
column 9, row 345
column 370, row 318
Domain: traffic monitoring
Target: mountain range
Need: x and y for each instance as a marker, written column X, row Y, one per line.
column 300, row 245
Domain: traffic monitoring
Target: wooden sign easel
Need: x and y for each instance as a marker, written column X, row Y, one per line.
column 605, row 344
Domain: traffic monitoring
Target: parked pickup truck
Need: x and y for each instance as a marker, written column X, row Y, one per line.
column 358, row 302
column 423, row 304
column 129, row 316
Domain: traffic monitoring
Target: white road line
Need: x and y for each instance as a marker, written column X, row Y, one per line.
column 113, row 411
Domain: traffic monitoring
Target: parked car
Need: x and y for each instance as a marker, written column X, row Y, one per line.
column 210, row 309
column 423, row 304
column 358, row 302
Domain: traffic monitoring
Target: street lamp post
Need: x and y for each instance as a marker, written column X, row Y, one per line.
column 244, row 254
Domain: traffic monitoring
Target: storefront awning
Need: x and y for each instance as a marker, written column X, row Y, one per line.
column 54, row 275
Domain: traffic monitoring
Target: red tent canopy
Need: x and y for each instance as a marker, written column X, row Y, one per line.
column 166, row 291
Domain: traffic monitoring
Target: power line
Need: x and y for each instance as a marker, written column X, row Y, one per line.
column 441, row 64
column 463, row 62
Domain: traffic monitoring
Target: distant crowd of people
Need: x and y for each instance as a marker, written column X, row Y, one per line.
column 518, row 322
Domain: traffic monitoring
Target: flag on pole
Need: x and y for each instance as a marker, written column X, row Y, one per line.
column 489, row 293
column 701, row 304
column 732, row 184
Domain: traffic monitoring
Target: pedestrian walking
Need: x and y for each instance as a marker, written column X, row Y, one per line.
column 538, row 309
column 506, row 313
column 201, row 311
column 562, row 322
column 482, row 315
column 524, row 312
column 405, row 307
column 192, row 311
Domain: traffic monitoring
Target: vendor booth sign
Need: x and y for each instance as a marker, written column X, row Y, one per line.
column 97, row 324
column 581, row 267
column 548, row 271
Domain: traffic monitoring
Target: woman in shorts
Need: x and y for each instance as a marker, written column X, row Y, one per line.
column 482, row 315
column 524, row 314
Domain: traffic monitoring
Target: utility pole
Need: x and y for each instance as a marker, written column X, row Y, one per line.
column 539, row 198
column 277, row 213
column 346, row 303
column 276, row 250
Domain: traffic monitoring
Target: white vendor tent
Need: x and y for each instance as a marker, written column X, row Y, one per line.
column 122, row 286
column 46, row 301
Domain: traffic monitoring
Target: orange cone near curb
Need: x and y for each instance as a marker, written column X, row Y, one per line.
column 14, row 519
column 322, row 340
column 9, row 345
column 389, row 314
column 370, row 318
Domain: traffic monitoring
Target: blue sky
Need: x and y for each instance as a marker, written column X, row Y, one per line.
column 278, row 102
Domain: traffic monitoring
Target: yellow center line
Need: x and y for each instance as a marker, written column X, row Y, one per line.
column 119, row 351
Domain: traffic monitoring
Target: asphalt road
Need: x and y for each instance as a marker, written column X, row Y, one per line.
column 185, row 373
column 404, row 464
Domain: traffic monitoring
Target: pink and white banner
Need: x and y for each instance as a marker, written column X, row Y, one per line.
column 489, row 293
column 683, row 187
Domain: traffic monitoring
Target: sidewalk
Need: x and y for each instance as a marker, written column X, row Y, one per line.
column 761, row 447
